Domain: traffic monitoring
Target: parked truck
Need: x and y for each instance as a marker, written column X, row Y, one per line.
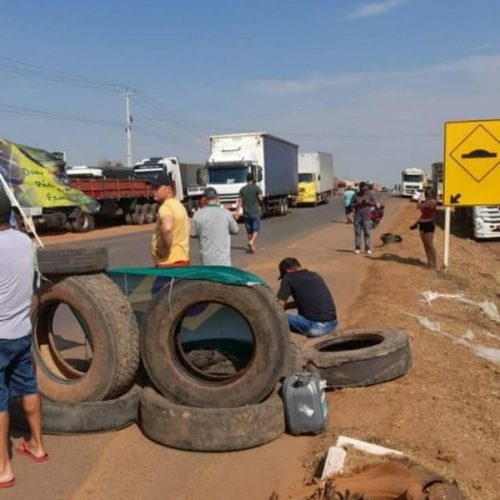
column 273, row 162
column 412, row 179
column 437, row 181
column 188, row 178
column 38, row 182
column 315, row 178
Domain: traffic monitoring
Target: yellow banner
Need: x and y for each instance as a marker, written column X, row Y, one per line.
column 38, row 179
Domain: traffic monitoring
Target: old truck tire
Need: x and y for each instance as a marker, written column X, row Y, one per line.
column 83, row 222
column 356, row 358
column 110, row 332
column 173, row 374
column 72, row 260
column 79, row 418
column 149, row 215
column 295, row 361
column 155, row 207
column 210, row 429
column 139, row 214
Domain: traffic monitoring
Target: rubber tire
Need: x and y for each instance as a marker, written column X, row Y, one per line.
column 55, row 260
column 295, row 361
column 113, row 333
column 389, row 237
column 265, row 319
column 82, row 223
column 389, row 359
column 139, row 214
column 148, row 213
column 210, row 429
column 128, row 219
column 80, row 418
column 155, row 207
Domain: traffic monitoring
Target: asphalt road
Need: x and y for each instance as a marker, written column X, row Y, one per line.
column 133, row 249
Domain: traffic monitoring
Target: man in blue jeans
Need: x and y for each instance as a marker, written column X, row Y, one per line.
column 249, row 200
column 316, row 309
column 362, row 203
column 17, row 378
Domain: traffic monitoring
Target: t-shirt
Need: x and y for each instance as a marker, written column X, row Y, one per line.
column 179, row 251
column 213, row 225
column 249, row 195
column 362, row 204
column 310, row 293
column 348, row 197
column 16, row 284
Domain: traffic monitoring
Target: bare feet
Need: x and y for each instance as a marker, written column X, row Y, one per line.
column 251, row 248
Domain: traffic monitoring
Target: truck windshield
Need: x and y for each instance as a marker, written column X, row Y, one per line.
column 145, row 174
column 412, row 178
column 227, row 175
column 306, row 177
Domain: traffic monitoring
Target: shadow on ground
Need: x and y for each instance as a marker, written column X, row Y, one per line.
column 391, row 257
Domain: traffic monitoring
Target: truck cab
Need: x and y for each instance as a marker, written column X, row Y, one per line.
column 412, row 179
column 486, row 220
column 308, row 187
column 227, row 178
column 149, row 168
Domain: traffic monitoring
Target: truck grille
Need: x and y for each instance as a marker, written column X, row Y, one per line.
column 228, row 198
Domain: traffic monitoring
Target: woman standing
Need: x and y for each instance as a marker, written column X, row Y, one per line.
column 427, row 206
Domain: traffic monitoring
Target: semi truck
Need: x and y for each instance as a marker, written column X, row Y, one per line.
column 437, row 181
column 315, row 178
column 272, row 161
column 412, row 179
column 188, row 178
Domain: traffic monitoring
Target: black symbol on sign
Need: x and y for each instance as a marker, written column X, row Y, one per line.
column 479, row 153
column 454, row 199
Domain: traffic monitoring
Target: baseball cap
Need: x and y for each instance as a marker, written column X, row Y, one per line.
column 160, row 180
column 286, row 264
column 210, row 193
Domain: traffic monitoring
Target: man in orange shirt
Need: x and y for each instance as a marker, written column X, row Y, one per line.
column 170, row 242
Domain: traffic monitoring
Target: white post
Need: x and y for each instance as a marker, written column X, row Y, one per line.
column 128, row 126
column 447, row 219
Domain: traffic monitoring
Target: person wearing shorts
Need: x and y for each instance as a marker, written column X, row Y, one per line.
column 17, row 377
column 249, row 200
column 427, row 206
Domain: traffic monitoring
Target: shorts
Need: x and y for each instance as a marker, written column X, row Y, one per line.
column 252, row 224
column 348, row 210
column 17, row 377
column 426, row 227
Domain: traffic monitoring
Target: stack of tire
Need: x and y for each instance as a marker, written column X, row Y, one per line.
column 103, row 395
column 189, row 409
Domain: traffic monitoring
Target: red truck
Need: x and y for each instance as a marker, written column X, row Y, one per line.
column 129, row 199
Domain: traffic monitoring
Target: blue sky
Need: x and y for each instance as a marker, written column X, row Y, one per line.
column 370, row 81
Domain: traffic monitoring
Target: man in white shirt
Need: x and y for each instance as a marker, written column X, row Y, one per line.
column 17, row 377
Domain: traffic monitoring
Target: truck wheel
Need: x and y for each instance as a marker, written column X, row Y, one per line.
column 174, row 373
column 128, row 219
column 281, row 207
column 138, row 215
column 356, row 358
column 148, row 213
column 82, row 222
column 79, row 418
column 72, row 260
column 155, row 207
column 211, row 429
column 85, row 340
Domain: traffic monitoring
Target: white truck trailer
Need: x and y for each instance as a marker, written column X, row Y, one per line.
column 315, row 178
column 412, row 179
column 272, row 161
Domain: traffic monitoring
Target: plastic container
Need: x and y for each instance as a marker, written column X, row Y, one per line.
column 305, row 403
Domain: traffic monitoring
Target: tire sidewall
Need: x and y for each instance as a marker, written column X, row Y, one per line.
column 164, row 368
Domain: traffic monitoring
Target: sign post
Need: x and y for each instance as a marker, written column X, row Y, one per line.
column 471, row 167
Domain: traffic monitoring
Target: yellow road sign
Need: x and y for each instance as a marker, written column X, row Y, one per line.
column 472, row 163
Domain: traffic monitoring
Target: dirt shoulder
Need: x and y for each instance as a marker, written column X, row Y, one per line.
column 445, row 413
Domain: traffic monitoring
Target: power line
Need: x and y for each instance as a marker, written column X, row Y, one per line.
column 148, row 131
column 35, row 71
column 18, row 110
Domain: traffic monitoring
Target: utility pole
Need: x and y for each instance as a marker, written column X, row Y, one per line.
column 128, row 125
